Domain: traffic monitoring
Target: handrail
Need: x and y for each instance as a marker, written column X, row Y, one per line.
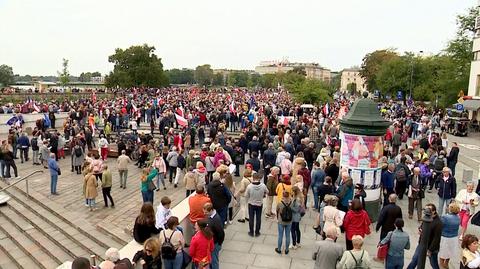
column 22, row 179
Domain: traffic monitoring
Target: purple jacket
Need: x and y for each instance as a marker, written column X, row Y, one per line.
column 425, row 171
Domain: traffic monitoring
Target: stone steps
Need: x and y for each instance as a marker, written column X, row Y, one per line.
column 10, row 255
column 55, row 234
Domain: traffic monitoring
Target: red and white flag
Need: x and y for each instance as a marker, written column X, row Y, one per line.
column 36, row 108
column 342, row 112
column 181, row 120
column 283, row 121
column 134, row 108
column 93, row 129
column 232, row 107
column 326, row 109
column 180, row 111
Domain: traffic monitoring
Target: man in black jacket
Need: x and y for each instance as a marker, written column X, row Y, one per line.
column 453, row 157
column 388, row 215
column 269, row 158
column 216, row 225
column 220, row 196
column 401, row 177
column 433, row 244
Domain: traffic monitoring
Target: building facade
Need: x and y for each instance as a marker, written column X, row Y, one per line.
column 312, row 70
column 352, row 76
column 472, row 104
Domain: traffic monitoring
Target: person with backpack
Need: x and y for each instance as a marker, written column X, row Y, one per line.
column 171, row 245
column 284, row 217
column 438, row 164
column 78, row 157
column 35, row 150
column 356, row 258
column 402, row 173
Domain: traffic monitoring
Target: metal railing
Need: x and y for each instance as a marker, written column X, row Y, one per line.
column 22, row 179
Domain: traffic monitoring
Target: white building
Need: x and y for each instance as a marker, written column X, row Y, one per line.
column 352, row 76
column 473, row 105
column 312, row 70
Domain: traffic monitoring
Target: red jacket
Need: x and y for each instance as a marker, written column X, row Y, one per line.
column 356, row 223
column 201, row 248
column 305, row 173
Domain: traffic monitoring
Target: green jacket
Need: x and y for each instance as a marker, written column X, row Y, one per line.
column 150, row 177
column 106, row 179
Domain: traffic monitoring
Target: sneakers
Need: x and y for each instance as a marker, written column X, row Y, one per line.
column 286, row 251
column 278, row 251
column 257, row 234
column 250, row 234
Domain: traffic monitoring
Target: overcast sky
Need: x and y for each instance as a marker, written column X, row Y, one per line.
column 36, row 34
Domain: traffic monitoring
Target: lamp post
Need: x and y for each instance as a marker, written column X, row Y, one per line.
column 411, row 73
column 362, row 131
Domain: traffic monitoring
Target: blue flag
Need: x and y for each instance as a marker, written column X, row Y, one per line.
column 12, row 120
column 46, row 120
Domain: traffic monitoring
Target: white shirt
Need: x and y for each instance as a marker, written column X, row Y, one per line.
column 163, row 214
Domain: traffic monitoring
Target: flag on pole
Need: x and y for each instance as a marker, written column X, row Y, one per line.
column 36, row 108
column 232, row 107
column 134, row 107
column 181, row 120
column 326, row 109
column 283, row 121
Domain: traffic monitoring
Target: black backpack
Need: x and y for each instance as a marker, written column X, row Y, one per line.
column 358, row 264
column 168, row 250
column 286, row 213
column 401, row 174
column 34, row 143
column 78, row 152
column 438, row 164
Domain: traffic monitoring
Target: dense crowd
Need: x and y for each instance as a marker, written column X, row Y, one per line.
column 283, row 153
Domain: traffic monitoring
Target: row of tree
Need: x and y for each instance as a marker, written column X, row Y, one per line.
column 437, row 78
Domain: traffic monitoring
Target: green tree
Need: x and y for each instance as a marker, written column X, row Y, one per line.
column 238, row 79
column 136, row 66
column 64, row 75
column 310, row 91
column 6, row 75
column 371, row 64
column 218, row 80
column 203, row 75
column 394, row 76
column 183, row 76
column 254, row 80
column 352, row 88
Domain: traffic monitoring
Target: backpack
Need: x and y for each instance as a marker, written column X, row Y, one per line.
column 401, row 174
column 438, row 164
column 78, row 152
column 34, row 143
column 358, row 264
column 168, row 250
column 286, row 214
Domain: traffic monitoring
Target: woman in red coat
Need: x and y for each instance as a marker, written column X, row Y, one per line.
column 201, row 246
column 356, row 222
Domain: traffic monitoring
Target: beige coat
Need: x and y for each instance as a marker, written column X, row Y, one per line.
column 297, row 165
column 90, row 186
column 190, row 181
column 242, row 186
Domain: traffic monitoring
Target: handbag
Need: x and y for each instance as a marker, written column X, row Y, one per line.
column 421, row 193
column 59, row 172
column 475, row 220
column 151, row 186
column 382, row 251
column 186, row 259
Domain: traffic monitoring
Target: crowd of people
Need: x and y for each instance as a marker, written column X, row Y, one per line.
column 260, row 150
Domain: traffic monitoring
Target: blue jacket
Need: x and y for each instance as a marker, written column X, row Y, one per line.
column 451, row 224
column 318, row 176
column 53, row 166
column 23, row 141
column 447, row 189
column 399, row 241
column 388, row 179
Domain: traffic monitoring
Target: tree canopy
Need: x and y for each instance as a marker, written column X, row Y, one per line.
column 64, row 75
column 6, row 75
column 136, row 66
column 180, row 76
column 203, row 75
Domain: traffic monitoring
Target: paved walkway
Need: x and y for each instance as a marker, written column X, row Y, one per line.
column 240, row 251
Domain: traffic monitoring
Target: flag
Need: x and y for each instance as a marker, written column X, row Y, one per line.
column 283, row 121
column 93, row 129
column 134, row 108
column 12, row 120
column 180, row 112
column 181, row 120
column 232, row 107
column 46, row 120
column 326, row 109
column 36, row 108
column 94, row 97
column 430, row 138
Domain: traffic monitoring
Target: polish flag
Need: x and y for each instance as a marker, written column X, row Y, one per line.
column 36, row 108
column 283, row 121
column 326, row 109
column 134, row 108
column 181, row 120
column 342, row 112
column 180, row 112
column 232, row 107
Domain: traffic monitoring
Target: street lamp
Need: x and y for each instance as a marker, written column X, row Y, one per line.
column 411, row 73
